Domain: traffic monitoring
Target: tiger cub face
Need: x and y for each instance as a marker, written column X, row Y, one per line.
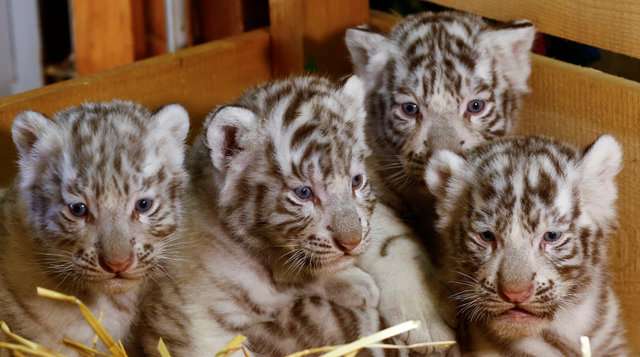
column 101, row 185
column 439, row 81
column 288, row 159
column 526, row 222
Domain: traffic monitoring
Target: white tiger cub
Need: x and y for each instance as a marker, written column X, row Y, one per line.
column 446, row 80
column 525, row 222
column 280, row 210
column 92, row 213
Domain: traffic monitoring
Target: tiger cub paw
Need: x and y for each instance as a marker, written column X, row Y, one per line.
column 352, row 288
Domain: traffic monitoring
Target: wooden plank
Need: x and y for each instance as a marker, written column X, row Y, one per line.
column 218, row 19
column 199, row 78
column 577, row 104
column 324, row 27
column 611, row 25
column 287, row 30
column 104, row 34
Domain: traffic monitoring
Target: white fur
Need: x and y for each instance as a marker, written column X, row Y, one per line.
column 598, row 168
column 243, row 120
column 413, row 291
column 370, row 52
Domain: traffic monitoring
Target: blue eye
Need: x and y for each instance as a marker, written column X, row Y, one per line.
column 476, row 106
column 357, row 181
column 488, row 236
column 78, row 209
column 144, row 205
column 551, row 237
column 410, row 109
column 303, row 192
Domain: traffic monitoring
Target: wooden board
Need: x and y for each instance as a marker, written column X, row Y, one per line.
column 611, row 25
column 198, row 78
column 104, row 34
column 577, row 104
column 218, row 19
column 324, row 27
column 286, row 23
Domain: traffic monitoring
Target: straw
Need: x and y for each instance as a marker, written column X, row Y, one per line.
column 113, row 347
column 24, row 347
column 585, row 346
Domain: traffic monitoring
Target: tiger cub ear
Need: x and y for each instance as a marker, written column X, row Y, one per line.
column 600, row 164
column 229, row 131
column 510, row 45
column 171, row 120
column 28, row 128
column 370, row 52
column 444, row 170
column 354, row 89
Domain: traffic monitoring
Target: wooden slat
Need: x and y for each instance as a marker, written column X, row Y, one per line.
column 310, row 34
column 577, row 104
column 611, row 25
column 104, row 34
column 286, row 24
column 218, row 19
column 324, row 27
column 155, row 27
column 198, row 78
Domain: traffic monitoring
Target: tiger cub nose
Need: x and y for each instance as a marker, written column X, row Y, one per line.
column 115, row 265
column 348, row 241
column 516, row 293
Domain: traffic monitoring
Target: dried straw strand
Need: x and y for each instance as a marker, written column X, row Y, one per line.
column 80, row 347
column 162, row 349
column 29, row 347
column 236, row 344
column 585, row 346
column 114, row 347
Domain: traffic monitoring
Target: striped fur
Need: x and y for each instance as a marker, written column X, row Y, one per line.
column 265, row 262
column 107, row 156
column 525, row 222
column 439, row 62
column 436, row 63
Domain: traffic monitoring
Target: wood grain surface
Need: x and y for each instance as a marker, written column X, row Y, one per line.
column 611, row 25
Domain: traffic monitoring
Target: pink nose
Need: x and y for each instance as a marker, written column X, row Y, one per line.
column 516, row 293
column 115, row 265
column 347, row 242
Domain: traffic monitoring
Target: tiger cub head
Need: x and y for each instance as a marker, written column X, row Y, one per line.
column 526, row 222
column 444, row 80
column 289, row 169
column 101, row 186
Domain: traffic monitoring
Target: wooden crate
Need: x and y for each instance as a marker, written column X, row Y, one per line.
column 567, row 101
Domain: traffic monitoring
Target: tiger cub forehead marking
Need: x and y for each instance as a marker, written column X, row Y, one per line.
column 528, row 178
column 304, row 120
column 104, row 147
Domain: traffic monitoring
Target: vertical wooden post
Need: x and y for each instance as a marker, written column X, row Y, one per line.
column 324, row 28
column 309, row 34
column 218, row 19
column 104, row 34
column 155, row 27
column 287, row 36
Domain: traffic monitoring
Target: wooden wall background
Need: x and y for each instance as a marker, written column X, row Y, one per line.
column 568, row 102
